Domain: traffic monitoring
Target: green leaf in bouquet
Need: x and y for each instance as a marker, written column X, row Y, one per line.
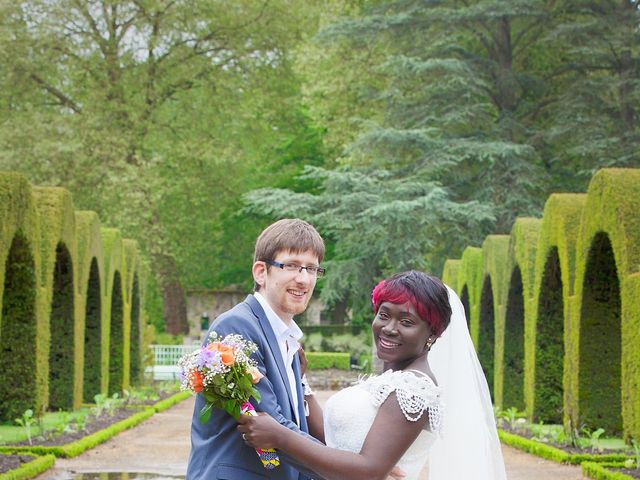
column 232, row 408
column 205, row 413
column 256, row 394
column 245, row 381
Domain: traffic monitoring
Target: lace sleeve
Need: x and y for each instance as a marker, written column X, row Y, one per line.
column 415, row 393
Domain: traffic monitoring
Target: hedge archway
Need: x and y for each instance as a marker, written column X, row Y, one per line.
column 470, row 275
column 135, row 351
column 559, row 235
column 18, row 331
column 116, row 341
column 513, row 395
column 92, row 335
column 486, row 333
column 61, row 354
column 550, row 344
column 600, row 340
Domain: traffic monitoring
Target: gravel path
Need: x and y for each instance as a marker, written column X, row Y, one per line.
column 161, row 445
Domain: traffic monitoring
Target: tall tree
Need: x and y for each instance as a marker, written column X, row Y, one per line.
column 103, row 81
column 595, row 121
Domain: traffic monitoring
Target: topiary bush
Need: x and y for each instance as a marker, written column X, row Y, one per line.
column 61, row 355
column 116, row 340
column 18, row 332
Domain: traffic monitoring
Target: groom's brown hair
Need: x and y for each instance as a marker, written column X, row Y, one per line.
column 287, row 235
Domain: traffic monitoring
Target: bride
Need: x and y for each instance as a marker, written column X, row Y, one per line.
column 431, row 403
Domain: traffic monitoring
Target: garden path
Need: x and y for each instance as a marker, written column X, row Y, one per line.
column 161, row 445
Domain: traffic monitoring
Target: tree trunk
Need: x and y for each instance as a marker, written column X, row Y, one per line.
column 175, row 306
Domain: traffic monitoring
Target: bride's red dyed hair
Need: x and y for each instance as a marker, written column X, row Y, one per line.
column 427, row 294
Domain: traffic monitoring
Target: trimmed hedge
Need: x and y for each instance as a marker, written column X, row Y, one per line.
column 163, row 405
column 609, row 241
column 30, row 469
column 545, row 360
column 470, row 281
column 325, row 360
column 450, row 273
column 574, row 277
column 518, row 310
column 555, row 454
column 495, row 250
column 599, row 471
column 531, row 446
column 53, row 292
column 76, row 448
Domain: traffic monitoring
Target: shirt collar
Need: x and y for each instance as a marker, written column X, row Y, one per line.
column 281, row 329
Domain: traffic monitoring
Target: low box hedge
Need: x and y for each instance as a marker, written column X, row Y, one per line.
column 556, row 454
column 171, row 401
column 76, row 448
column 600, row 471
column 30, row 469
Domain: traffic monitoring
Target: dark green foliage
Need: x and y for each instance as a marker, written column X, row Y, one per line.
column 18, row 332
column 464, row 298
column 513, row 395
column 116, row 338
column 92, row 336
column 486, row 334
column 395, row 214
column 549, row 349
column 61, row 356
column 329, row 330
column 594, row 122
column 135, row 358
column 600, row 341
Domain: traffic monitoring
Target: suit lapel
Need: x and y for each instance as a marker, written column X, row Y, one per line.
column 301, row 413
column 272, row 342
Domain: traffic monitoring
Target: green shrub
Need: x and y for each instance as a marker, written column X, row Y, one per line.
column 599, row 471
column 30, row 469
column 325, row 360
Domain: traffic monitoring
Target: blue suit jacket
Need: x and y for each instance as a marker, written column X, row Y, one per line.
column 217, row 449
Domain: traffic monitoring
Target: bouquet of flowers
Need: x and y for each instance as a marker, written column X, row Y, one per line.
column 225, row 374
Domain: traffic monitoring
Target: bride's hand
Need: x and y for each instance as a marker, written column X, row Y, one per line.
column 261, row 431
column 303, row 361
column 396, row 474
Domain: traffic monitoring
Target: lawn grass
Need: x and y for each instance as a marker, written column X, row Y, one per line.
column 13, row 433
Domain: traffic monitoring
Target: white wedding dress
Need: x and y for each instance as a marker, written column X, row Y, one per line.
column 466, row 444
column 349, row 414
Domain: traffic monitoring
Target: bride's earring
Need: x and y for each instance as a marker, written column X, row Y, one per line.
column 430, row 342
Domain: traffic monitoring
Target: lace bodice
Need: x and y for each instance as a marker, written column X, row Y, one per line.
column 349, row 414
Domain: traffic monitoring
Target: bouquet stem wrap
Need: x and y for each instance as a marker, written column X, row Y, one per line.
column 268, row 456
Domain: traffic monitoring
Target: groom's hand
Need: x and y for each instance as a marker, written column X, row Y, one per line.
column 396, row 474
column 303, row 361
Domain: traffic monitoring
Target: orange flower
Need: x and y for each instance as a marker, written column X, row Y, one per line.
column 227, row 354
column 196, row 380
column 255, row 375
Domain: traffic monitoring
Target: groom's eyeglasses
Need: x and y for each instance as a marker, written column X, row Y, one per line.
column 294, row 267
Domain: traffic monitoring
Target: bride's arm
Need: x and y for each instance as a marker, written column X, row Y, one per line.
column 388, row 439
column 315, row 418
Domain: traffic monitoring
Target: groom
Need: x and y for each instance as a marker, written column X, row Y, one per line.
column 286, row 266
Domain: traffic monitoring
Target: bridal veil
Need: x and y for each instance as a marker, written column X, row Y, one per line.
column 468, row 446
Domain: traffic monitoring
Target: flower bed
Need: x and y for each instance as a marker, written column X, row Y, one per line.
column 71, row 444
